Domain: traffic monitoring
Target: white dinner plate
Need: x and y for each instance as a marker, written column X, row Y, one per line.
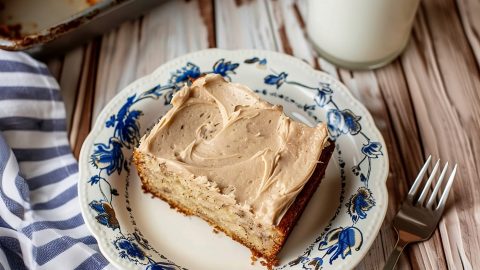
column 136, row 231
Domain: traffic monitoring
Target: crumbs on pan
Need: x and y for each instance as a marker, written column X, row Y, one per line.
column 92, row 2
column 11, row 30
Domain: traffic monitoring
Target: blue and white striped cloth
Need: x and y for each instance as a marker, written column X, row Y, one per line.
column 41, row 226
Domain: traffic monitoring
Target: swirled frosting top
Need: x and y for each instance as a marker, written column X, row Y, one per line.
column 223, row 136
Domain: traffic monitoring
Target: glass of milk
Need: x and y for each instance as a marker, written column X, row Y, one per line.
column 360, row 34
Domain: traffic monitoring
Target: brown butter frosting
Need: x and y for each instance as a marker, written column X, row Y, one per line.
column 222, row 136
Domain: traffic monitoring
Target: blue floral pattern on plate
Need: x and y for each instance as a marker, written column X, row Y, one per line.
column 335, row 243
column 109, row 158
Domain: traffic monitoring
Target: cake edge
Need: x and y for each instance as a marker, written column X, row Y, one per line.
column 288, row 221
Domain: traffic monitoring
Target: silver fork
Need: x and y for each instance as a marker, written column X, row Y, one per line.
column 416, row 221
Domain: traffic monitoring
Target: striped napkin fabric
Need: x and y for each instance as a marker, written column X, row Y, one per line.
column 41, row 226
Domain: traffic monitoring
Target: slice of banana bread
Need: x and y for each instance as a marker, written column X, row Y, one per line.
column 226, row 156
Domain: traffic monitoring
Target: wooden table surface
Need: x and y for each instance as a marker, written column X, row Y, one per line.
column 425, row 102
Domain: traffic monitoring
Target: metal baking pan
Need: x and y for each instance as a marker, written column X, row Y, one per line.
column 46, row 26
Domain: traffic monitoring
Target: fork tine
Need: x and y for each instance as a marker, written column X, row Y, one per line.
column 414, row 188
column 427, row 186
column 437, row 186
column 444, row 197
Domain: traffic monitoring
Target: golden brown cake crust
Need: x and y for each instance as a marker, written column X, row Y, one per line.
column 287, row 222
column 292, row 215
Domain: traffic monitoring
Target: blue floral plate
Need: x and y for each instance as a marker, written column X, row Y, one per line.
column 136, row 231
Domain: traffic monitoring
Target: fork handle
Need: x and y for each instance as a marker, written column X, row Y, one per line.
column 396, row 252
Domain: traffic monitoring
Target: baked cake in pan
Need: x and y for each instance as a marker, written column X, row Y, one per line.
column 226, row 156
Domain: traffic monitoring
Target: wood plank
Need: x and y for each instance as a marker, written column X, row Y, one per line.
column 207, row 13
column 243, row 25
column 407, row 157
column 443, row 82
column 167, row 33
column 118, row 59
column 469, row 11
column 289, row 30
column 55, row 66
column 84, row 103
column 69, row 79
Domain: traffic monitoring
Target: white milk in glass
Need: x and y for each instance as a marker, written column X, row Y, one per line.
column 360, row 33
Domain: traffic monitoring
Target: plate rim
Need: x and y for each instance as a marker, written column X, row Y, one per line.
column 93, row 227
